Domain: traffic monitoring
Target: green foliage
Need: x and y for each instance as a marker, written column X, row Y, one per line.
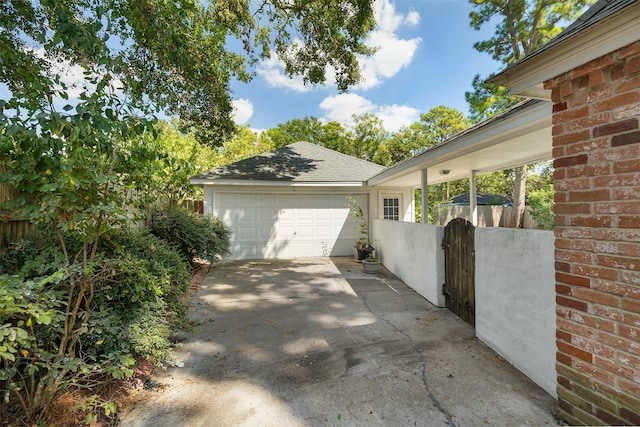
column 541, row 207
column 245, row 144
column 520, row 27
column 192, row 235
column 358, row 214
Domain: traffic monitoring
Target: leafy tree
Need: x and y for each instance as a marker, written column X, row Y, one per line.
column 245, row 144
column 367, row 135
column 75, row 162
column 523, row 27
column 308, row 129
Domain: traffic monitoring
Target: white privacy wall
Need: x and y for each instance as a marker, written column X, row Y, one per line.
column 412, row 252
column 515, row 299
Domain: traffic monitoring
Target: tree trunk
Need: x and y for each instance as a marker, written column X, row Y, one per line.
column 519, row 193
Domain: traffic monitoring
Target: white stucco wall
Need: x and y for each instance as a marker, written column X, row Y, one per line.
column 515, row 299
column 412, row 252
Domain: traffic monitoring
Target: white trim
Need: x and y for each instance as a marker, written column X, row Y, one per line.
column 391, row 195
column 520, row 123
column 602, row 38
column 255, row 183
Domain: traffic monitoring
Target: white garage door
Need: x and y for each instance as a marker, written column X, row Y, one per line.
column 288, row 225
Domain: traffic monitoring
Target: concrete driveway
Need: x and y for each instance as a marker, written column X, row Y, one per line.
column 313, row 342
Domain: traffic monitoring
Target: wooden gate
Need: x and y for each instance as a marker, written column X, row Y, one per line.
column 459, row 266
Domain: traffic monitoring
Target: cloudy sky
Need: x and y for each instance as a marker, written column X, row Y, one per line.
column 425, row 59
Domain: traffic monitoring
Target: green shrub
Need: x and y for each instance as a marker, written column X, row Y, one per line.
column 193, row 235
column 137, row 292
column 541, row 203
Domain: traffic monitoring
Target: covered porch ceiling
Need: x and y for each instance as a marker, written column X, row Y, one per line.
column 521, row 135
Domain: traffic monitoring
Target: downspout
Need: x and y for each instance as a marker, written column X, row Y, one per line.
column 473, row 199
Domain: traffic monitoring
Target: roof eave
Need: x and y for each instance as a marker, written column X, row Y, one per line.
column 261, row 183
column 526, row 77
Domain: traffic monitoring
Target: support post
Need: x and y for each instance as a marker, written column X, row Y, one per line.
column 473, row 199
column 424, row 183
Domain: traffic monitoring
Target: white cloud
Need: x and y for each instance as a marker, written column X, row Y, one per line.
column 340, row 108
column 242, row 110
column 272, row 70
column 393, row 54
column 412, row 19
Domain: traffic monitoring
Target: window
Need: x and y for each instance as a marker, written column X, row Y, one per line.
column 391, row 208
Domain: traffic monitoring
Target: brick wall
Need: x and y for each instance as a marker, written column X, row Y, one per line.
column 596, row 150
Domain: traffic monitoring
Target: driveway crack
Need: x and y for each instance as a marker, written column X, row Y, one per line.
column 423, row 362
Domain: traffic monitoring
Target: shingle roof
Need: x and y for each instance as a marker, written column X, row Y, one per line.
column 599, row 11
column 298, row 162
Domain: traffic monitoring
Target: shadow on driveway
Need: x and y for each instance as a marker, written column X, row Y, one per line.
column 317, row 342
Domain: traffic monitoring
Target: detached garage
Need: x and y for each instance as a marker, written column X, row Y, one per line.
column 289, row 203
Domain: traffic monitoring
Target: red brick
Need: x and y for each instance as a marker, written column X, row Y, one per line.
column 588, row 170
column 572, row 303
column 619, row 262
column 571, row 184
column 616, row 101
column 630, row 50
column 631, row 417
column 564, row 359
column 574, row 327
column 596, row 64
column 565, row 89
column 617, row 72
column 590, row 195
column 596, row 246
column 596, row 78
column 573, row 208
column 562, row 266
column 558, row 151
column 595, row 372
column 632, row 66
column 568, row 115
column 630, row 332
column 581, row 159
column 594, row 321
column 597, row 297
column 614, row 367
column 628, row 84
column 630, row 249
column 571, row 137
column 598, row 95
column 621, row 289
column 575, row 232
column 608, row 418
column 617, row 207
column 573, row 257
column 629, row 221
column 571, row 279
column 629, row 386
column 563, row 381
column 619, row 234
column 595, row 272
column 631, row 305
column 562, row 243
column 615, row 128
column 619, row 343
column 558, row 174
column 563, row 336
column 582, row 83
column 565, row 406
column 625, row 139
column 627, row 166
column 588, row 122
column 564, row 290
column 574, row 351
column 561, row 106
column 631, row 319
column 625, row 152
column 593, row 347
column 631, row 277
column 608, row 312
column 617, row 181
column 555, row 95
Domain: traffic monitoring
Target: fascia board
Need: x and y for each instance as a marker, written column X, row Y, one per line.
column 592, row 43
column 201, row 182
column 519, row 123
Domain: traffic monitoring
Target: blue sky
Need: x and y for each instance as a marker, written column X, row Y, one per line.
column 426, row 58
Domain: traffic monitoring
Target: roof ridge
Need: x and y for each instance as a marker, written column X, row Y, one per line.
column 334, row 151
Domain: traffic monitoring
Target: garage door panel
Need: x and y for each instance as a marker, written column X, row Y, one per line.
column 288, row 225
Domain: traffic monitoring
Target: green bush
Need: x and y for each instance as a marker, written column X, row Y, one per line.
column 138, row 289
column 193, row 235
column 541, row 203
